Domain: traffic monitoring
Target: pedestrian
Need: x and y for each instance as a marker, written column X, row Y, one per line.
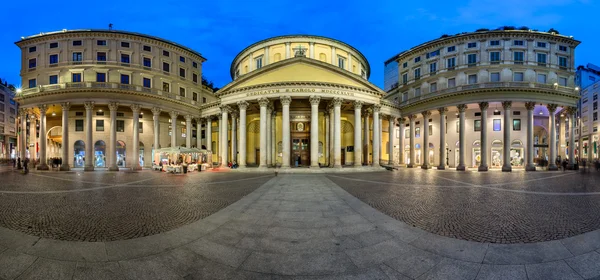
column 564, row 164
column 25, row 166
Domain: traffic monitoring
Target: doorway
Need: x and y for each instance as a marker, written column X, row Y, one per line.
column 343, row 156
column 300, row 150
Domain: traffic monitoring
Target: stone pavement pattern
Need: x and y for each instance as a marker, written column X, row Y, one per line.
column 297, row 227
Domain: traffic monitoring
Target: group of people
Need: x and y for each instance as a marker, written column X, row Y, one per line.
column 55, row 162
column 232, row 165
column 578, row 163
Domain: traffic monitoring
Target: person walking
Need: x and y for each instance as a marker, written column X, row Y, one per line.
column 25, row 166
column 564, row 165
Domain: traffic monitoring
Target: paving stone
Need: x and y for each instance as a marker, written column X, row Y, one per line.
column 69, row 251
column 223, row 254
column 282, row 246
column 298, row 234
column 147, row 268
column 452, row 248
column 550, row 271
column 582, row 243
column 371, row 237
column 586, row 265
column 190, row 265
column 298, row 264
column 378, row 253
column 392, row 274
column 414, row 262
column 501, row 272
column 12, row 263
column 452, row 269
column 98, row 271
column 526, row 253
column 49, row 269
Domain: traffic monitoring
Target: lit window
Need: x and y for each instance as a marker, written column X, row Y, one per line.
column 497, row 124
column 516, row 124
column 100, row 125
column 477, row 125
column 78, row 125
column 166, row 87
column 120, row 126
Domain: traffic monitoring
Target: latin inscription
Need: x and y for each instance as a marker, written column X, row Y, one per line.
column 309, row 90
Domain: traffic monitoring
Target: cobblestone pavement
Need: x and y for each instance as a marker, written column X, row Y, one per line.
column 106, row 206
column 493, row 207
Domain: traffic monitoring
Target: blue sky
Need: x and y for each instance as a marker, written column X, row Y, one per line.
column 219, row 29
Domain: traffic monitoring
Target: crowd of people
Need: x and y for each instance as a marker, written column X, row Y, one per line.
column 579, row 163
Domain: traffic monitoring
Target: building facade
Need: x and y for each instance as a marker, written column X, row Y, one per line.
column 587, row 135
column 8, row 116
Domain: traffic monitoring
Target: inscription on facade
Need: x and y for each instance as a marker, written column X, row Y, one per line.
column 292, row 90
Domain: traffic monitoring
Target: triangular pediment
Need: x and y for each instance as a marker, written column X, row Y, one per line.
column 300, row 70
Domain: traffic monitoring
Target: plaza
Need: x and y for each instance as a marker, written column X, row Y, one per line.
column 230, row 224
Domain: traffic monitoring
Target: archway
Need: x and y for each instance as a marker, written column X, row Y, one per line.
column 517, row 158
column 457, row 154
column 120, row 153
column 540, row 146
column 407, row 154
column 497, row 153
column 54, row 137
column 79, row 154
column 100, row 154
column 418, row 154
column 431, row 153
column 141, row 154
column 476, row 153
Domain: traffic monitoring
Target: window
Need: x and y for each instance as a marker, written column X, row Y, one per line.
column 182, row 59
column 477, row 125
column 32, row 49
column 341, row 62
column 124, row 44
column 76, row 78
column 258, row 62
column 518, row 57
column 472, row 58
column 77, row 43
column 166, row 53
column 407, row 133
column 562, row 81
column 595, row 106
column 141, row 127
column 430, row 129
column 147, row 48
column 432, row 67
column 517, row 124
column 194, row 96
column 495, row 57
column 451, row 82
column 518, row 76
column 405, row 78
column 494, row 77
column 120, row 126
column 124, row 58
column 451, row 63
column 405, row 64
column 124, row 79
column 32, row 83
column 53, row 79
column 516, row 113
column 203, row 99
column 541, row 45
column 595, row 97
column 120, row 114
column 147, row 83
column 147, row 62
column 595, row 117
column 77, row 56
column 472, row 45
column 541, row 78
column 32, row 63
column 433, row 87
column 166, row 87
column 195, row 65
column 417, row 59
column 497, row 125
column 495, row 43
column 101, row 77
column 101, row 56
column 182, row 92
column 100, row 113
column 518, row 43
column 417, row 91
column 451, row 49
column 53, row 45
column 541, row 58
column 99, row 123
column 432, row 54
column 101, row 42
column 562, row 48
column 417, row 73
column 562, row 61
column 78, row 125
column 194, row 77
column 472, row 79
column 417, row 132
column 53, row 59
column 405, row 96
column 166, row 67
column 477, row 114
column 182, row 72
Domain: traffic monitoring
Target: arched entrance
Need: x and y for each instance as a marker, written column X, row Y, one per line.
column 497, row 154
column 79, row 154
column 476, row 153
column 141, row 154
column 100, row 154
column 457, row 154
column 407, row 154
column 418, row 154
column 540, row 145
column 517, row 158
column 431, row 154
column 120, row 153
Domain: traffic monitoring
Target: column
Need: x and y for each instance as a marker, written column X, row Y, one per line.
column 552, row 127
column 188, row 129
column 173, row 115
column 562, row 142
column 273, row 138
column 220, row 140
column 23, row 135
column 112, row 151
column 311, row 50
column 366, row 139
column 285, row 159
column 224, row 135
column 337, row 140
column 32, row 138
column 357, row 129
column 443, row 151
column 571, row 111
column 425, row 149
column 483, row 106
column 234, row 136
column 331, row 137
column 43, row 165
column 65, row 136
column 401, row 141
column 327, row 140
column 530, row 165
column 198, row 133
column 209, row 136
column 89, row 141
column 263, row 102
column 269, row 138
column 135, row 109
column 155, row 118
column 243, row 105
column 506, row 167
column 411, row 161
column 287, row 50
column 391, row 123
column 376, row 135
column 314, row 130
column 461, row 137
column 266, row 59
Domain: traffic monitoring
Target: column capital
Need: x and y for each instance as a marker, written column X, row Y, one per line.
column 461, row 108
column 173, row 114
column 552, row 108
column 401, row 120
column 89, row 105
column 426, row 114
column 234, row 114
column 412, row 117
column 337, row 102
column 367, row 112
column 270, row 108
column 188, row 118
column 263, row 102
column 65, row 106
column 22, row 112
column 529, row 105
column 376, row 108
column 442, row 110
column 209, row 118
column 357, row 104
column 391, row 118
column 484, row 105
column 314, row 99
column 43, row 108
column 113, row 106
column 286, row 100
column 225, row 108
column 136, row 108
column 572, row 110
column 156, row 111
column 506, row 105
column 243, row 105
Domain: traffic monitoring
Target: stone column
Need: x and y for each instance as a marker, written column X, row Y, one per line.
column 401, row 140
column 287, row 50
column 173, row 115
column 461, row 137
column 224, row 135
column 391, row 123
column 43, row 165
column 552, row 127
column 311, row 50
column 357, row 129
column 443, row 155
column 65, row 136
column 243, row 105
column 188, row 128
column 571, row 111
column 562, row 141
column 530, row 165
column 268, row 152
column 412, row 119
column 327, row 145
column 112, row 149
column 331, row 137
column 483, row 106
column 425, row 155
column 209, row 135
column 234, row 136
column 155, row 118
column 285, row 159
column 314, row 130
column 506, row 167
column 135, row 108
column 32, row 138
column 23, row 135
column 220, row 140
column 337, row 140
column 198, row 133
column 366, row 139
column 376, row 135
column 273, row 138
column 263, row 102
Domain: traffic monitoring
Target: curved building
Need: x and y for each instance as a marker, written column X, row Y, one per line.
column 485, row 99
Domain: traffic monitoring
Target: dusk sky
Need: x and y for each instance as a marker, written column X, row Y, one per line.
column 219, row 29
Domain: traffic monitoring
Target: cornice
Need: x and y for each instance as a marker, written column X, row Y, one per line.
column 302, row 83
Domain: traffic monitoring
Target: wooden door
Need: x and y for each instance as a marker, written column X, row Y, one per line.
column 343, row 157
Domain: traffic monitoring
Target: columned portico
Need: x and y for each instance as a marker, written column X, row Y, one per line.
column 530, row 165
column 461, row 137
column 243, row 105
column 155, row 118
column 234, row 136
column 43, row 165
column 571, row 111
column 331, row 134
column 89, row 148
column 411, row 161
column 443, row 155
column 173, row 115
column 483, row 166
column 425, row 155
column 286, row 133
column 314, row 130
column 391, row 126
column 65, row 136
column 376, row 135
column 337, row 141
column 273, row 143
column 135, row 108
column 552, row 127
column 112, row 151
column 357, row 129
column 263, row 102
column 506, row 167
